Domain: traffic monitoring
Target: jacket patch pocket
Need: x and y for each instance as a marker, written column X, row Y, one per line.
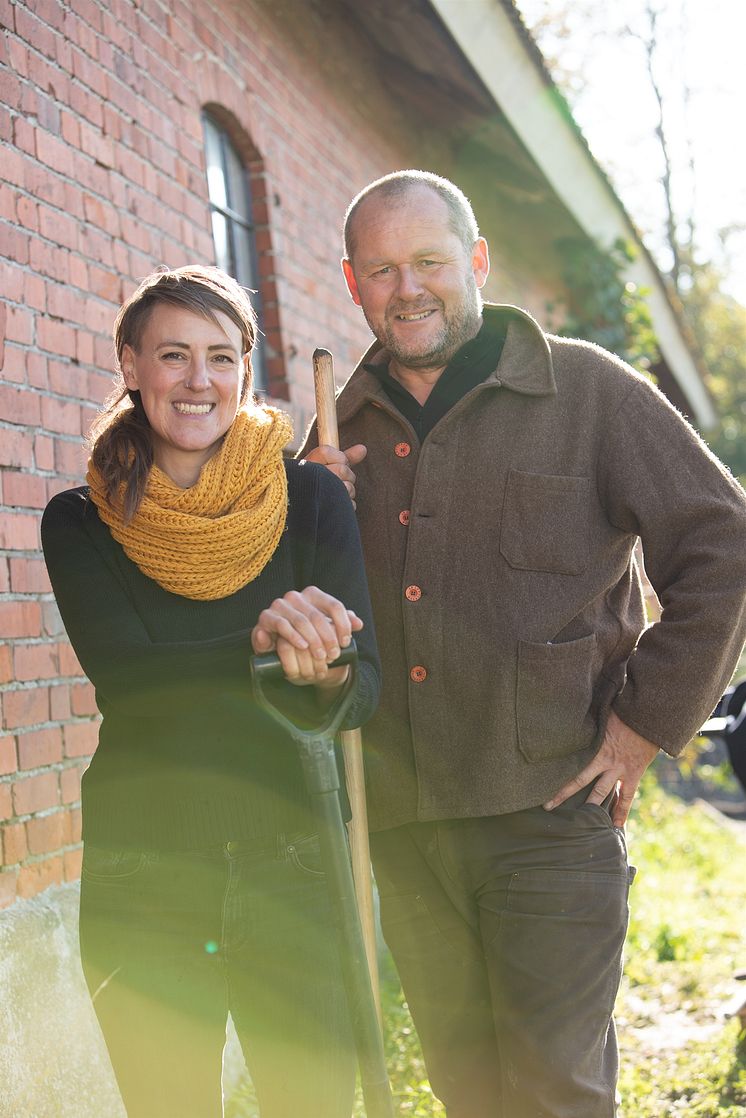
column 545, row 523
column 554, row 696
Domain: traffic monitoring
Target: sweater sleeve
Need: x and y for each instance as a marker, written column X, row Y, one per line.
column 658, row 479
column 131, row 672
column 331, row 558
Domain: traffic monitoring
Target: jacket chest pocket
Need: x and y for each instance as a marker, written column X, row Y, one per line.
column 545, row 523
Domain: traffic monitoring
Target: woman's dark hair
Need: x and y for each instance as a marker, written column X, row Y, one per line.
column 120, row 438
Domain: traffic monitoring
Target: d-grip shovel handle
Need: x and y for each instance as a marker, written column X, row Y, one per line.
column 267, row 668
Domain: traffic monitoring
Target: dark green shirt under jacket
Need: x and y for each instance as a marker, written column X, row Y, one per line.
column 186, row 760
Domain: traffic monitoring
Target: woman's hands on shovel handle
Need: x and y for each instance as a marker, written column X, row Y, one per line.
column 307, row 629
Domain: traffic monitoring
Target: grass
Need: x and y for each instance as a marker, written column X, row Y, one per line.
column 680, row 1057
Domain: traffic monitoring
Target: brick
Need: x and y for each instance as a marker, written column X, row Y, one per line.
column 14, row 243
column 60, row 415
column 17, row 405
column 35, row 661
column 14, row 167
column 4, row 581
column 70, row 458
column 14, row 843
column 57, row 338
column 58, row 228
column 70, row 783
column 59, row 703
column 86, row 104
column 20, row 619
column 99, row 387
column 16, row 448
column 35, row 877
column 45, row 834
column 19, row 531
column 50, row 11
column 54, row 152
column 10, row 90
column 6, row 803
column 36, row 371
column 81, row 739
column 70, row 129
column 35, row 32
column 25, row 490
column 73, row 860
column 84, row 348
column 44, row 452
column 36, row 793
column 8, row 760
column 72, row 827
column 8, row 882
column 6, row 663
column 29, row 576
column 89, row 72
column 24, row 135
column 25, row 707
column 83, row 699
column 37, row 748
column 49, row 261
column 20, row 326
column 64, row 302
column 69, row 663
column 67, row 380
column 34, row 292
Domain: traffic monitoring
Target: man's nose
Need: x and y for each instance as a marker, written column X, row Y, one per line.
column 410, row 285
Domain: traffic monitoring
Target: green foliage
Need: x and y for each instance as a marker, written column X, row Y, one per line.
column 601, row 305
column 679, row 1058
column 719, row 325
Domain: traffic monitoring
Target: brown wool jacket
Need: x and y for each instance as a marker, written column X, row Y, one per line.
column 505, row 592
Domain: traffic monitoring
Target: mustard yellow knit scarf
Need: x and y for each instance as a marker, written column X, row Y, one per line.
column 208, row 541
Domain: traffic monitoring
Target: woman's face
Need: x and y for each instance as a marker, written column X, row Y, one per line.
column 189, row 372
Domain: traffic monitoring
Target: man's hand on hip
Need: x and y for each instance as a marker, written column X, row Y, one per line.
column 340, row 462
column 620, row 762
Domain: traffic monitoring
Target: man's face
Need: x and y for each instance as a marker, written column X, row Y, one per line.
column 415, row 281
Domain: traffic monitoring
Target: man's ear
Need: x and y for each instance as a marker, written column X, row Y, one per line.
column 351, row 282
column 127, row 365
column 480, row 261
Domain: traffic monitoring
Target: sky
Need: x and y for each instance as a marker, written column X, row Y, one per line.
column 702, row 47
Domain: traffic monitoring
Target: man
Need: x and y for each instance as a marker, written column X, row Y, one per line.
column 502, row 478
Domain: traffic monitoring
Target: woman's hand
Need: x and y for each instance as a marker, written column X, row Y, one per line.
column 307, row 629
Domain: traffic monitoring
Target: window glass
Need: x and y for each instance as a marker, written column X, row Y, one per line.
column 229, row 192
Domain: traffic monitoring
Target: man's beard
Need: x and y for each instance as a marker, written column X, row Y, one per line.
column 457, row 328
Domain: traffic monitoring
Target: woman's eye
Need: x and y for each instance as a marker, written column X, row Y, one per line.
column 223, row 359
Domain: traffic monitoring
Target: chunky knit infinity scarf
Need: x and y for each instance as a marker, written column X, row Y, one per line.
column 208, row 541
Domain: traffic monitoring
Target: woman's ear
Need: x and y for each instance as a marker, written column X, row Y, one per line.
column 127, row 365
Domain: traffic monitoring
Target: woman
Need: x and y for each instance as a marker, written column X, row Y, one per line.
column 194, row 542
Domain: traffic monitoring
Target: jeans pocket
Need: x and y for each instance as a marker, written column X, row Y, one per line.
column 305, row 854
column 100, row 863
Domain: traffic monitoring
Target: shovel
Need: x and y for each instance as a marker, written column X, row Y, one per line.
column 316, row 750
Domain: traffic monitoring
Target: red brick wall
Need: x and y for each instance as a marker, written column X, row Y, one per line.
column 102, row 180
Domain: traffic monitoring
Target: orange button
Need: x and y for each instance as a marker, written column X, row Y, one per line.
column 401, row 450
column 413, row 593
column 404, row 517
column 417, row 674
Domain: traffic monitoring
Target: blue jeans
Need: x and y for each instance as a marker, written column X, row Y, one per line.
column 507, row 933
column 171, row 941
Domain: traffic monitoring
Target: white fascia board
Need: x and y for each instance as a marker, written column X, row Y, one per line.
column 490, row 41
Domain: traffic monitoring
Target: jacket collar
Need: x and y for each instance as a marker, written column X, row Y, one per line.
column 525, row 365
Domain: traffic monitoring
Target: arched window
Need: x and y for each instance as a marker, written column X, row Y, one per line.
column 232, row 218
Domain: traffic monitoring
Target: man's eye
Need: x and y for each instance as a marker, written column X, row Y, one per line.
column 428, row 263
column 382, row 271
column 170, row 356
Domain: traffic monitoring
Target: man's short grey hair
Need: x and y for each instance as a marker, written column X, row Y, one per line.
column 396, row 185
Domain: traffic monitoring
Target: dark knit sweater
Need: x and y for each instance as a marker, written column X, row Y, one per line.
column 186, row 760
